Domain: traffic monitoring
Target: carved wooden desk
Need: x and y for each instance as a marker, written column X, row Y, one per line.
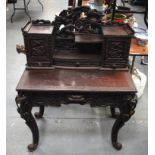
column 76, row 60
column 63, row 86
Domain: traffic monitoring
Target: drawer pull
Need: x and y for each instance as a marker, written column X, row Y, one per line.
column 77, row 64
column 76, row 98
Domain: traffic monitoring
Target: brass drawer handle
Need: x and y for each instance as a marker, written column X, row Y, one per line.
column 76, row 98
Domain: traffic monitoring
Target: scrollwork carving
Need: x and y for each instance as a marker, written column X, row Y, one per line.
column 71, row 18
column 40, row 113
column 88, row 26
column 67, row 30
column 126, row 102
column 115, row 49
column 94, row 15
column 38, row 48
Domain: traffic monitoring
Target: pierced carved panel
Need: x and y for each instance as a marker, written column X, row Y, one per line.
column 72, row 21
column 115, row 52
column 116, row 49
column 38, row 50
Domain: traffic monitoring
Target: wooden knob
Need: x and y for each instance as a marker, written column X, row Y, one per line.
column 21, row 49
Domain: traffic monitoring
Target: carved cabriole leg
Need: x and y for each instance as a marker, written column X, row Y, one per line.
column 24, row 109
column 40, row 113
column 126, row 111
column 115, row 129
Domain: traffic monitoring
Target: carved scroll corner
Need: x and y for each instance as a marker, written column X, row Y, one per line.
column 22, row 107
column 20, row 98
column 130, row 102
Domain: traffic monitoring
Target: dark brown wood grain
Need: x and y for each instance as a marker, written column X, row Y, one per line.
column 117, row 30
column 76, row 80
column 41, row 29
column 88, row 38
column 114, row 31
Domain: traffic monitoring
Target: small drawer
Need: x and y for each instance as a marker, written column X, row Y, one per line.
column 76, row 63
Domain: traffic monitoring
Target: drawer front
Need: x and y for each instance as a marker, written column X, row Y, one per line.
column 116, row 52
column 94, row 99
column 39, row 64
column 76, row 63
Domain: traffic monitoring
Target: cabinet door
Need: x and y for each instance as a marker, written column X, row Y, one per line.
column 116, row 52
column 39, row 50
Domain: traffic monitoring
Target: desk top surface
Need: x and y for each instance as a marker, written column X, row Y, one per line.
column 81, row 80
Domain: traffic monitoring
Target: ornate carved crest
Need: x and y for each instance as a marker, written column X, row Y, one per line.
column 77, row 20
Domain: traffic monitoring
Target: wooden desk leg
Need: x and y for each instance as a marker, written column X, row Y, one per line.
column 126, row 111
column 24, row 109
column 40, row 113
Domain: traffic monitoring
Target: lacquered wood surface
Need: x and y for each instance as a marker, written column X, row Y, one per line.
column 114, row 30
column 88, row 80
column 31, row 29
column 76, row 55
column 85, row 38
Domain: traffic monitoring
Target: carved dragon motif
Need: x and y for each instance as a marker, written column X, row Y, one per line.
column 72, row 21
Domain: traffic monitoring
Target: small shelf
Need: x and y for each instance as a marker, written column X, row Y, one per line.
column 88, row 38
column 75, row 55
column 76, row 59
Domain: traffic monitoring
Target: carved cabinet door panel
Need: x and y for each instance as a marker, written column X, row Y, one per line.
column 39, row 50
column 115, row 52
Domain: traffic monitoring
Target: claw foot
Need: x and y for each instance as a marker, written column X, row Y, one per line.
column 117, row 145
column 32, row 147
column 38, row 115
